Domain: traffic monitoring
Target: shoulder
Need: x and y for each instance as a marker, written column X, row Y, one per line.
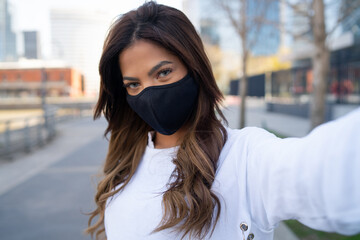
column 240, row 142
column 248, row 136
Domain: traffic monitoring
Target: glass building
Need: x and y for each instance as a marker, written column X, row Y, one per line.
column 7, row 36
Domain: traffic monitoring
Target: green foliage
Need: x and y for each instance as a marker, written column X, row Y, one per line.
column 305, row 233
column 276, row 133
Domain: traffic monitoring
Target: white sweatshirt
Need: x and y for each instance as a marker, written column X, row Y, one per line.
column 261, row 180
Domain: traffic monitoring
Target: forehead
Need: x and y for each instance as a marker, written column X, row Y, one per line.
column 143, row 55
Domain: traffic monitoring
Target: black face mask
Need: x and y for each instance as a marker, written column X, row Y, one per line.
column 166, row 107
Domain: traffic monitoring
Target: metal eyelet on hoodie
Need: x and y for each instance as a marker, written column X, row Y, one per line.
column 250, row 236
column 244, row 227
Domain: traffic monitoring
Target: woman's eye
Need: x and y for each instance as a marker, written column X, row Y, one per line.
column 131, row 85
column 164, row 73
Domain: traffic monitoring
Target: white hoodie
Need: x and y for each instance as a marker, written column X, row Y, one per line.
column 260, row 181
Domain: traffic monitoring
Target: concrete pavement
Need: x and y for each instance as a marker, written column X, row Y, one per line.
column 256, row 115
column 45, row 194
column 71, row 136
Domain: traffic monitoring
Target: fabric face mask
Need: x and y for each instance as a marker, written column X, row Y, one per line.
column 166, row 107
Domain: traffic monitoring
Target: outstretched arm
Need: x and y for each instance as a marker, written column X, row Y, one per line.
column 315, row 179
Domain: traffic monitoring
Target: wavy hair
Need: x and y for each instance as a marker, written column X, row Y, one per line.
column 189, row 205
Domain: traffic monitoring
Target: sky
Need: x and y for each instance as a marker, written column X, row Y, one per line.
column 30, row 14
column 34, row 15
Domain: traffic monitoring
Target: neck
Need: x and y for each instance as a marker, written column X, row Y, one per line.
column 168, row 141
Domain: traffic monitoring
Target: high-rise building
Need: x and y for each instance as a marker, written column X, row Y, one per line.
column 31, row 44
column 266, row 37
column 77, row 37
column 346, row 34
column 351, row 22
column 7, row 36
column 209, row 32
column 215, row 26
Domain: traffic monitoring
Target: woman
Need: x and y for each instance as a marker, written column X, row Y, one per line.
column 173, row 171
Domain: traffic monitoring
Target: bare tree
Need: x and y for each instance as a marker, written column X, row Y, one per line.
column 321, row 64
column 314, row 12
column 247, row 25
column 316, row 33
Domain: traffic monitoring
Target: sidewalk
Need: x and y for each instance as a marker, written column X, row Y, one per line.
column 71, row 136
column 45, row 194
column 256, row 115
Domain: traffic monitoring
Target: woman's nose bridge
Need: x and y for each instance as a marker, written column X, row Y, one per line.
column 148, row 82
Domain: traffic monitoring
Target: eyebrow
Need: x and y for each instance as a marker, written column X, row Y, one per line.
column 156, row 67
column 130, row 79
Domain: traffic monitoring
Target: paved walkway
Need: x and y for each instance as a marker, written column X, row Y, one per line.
column 71, row 136
column 44, row 195
column 256, row 115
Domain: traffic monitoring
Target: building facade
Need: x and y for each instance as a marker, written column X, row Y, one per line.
column 7, row 36
column 77, row 37
column 344, row 45
column 31, row 45
column 17, row 80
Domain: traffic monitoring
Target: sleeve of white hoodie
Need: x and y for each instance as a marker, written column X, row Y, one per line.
column 314, row 179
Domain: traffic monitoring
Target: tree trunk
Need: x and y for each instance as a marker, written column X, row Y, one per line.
column 243, row 81
column 243, row 94
column 320, row 62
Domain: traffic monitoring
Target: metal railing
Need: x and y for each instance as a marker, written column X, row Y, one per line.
column 21, row 135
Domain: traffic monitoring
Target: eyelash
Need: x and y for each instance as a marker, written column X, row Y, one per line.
column 168, row 70
column 127, row 85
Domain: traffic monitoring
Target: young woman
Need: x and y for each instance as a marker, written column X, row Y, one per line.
column 173, row 171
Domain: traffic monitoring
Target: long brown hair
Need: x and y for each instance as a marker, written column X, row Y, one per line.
column 189, row 204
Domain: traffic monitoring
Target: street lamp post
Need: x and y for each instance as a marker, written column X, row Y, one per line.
column 43, row 96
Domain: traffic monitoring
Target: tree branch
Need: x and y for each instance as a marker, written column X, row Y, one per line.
column 258, row 22
column 230, row 15
column 345, row 13
column 296, row 7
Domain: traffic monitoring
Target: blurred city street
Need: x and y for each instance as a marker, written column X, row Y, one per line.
column 296, row 62
column 45, row 193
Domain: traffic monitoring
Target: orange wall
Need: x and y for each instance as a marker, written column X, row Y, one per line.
column 71, row 76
